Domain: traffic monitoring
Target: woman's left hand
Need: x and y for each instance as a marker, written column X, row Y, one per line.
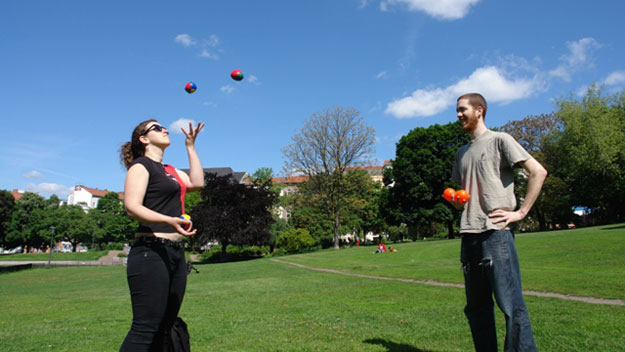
column 191, row 133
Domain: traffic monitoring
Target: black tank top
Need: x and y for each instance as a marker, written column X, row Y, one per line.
column 162, row 194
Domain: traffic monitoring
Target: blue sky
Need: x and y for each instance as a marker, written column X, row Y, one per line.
column 77, row 76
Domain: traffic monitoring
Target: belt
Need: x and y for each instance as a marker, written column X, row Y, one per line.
column 157, row 241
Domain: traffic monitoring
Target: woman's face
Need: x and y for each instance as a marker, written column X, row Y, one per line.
column 157, row 134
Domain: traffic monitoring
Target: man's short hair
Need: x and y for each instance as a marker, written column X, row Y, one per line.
column 475, row 99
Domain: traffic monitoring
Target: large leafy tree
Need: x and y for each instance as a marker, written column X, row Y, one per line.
column 7, row 204
column 29, row 224
column 362, row 205
column 588, row 154
column 330, row 141
column 359, row 212
column 110, row 222
column 73, row 225
column 233, row 213
column 309, row 211
column 421, row 171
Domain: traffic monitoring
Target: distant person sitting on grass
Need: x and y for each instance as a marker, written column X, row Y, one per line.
column 381, row 248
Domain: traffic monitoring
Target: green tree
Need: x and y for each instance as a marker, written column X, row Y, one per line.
column 421, row 171
column 110, row 222
column 330, row 141
column 28, row 225
column 309, row 212
column 191, row 199
column 73, row 225
column 295, row 240
column 276, row 229
column 7, row 204
column 263, row 174
column 588, row 154
column 361, row 212
column 54, row 201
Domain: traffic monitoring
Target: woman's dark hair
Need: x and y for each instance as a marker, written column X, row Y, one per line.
column 134, row 149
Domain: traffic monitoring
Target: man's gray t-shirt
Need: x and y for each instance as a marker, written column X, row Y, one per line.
column 484, row 168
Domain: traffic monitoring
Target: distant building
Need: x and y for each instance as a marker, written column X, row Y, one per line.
column 237, row 176
column 17, row 194
column 290, row 187
column 376, row 172
column 88, row 197
column 291, row 183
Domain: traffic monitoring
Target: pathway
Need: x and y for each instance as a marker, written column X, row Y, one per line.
column 593, row 300
column 110, row 258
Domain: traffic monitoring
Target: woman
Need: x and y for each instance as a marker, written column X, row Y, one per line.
column 154, row 195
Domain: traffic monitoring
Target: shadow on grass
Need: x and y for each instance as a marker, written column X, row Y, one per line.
column 615, row 227
column 394, row 347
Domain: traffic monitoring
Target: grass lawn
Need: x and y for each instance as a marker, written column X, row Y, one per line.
column 43, row 257
column 262, row 305
column 582, row 262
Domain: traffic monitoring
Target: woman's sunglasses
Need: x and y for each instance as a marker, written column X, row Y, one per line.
column 157, row 128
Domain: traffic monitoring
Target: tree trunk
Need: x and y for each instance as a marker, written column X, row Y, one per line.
column 450, row 229
column 542, row 221
column 336, row 231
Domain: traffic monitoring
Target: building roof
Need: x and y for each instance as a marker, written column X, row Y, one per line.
column 237, row 176
column 289, row 179
column 17, row 194
column 96, row 192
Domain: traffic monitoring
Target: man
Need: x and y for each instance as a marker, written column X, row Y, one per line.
column 484, row 167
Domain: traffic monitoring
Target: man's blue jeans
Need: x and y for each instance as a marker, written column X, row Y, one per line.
column 491, row 266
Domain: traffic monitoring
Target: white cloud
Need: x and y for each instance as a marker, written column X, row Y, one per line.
column 227, row 89
column 382, row 74
column 615, row 78
column 253, row 79
column 181, row 123
column 580, row 55
column 212, row 41
column 494, row 83
column 440, row 9
column 50, row 188
column 363, row 4
column 185, row 40
column 207, row 54
column 210, row 103
column 33, row 174
column 420, row 103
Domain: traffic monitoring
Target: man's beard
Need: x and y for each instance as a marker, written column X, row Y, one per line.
column 471, row 123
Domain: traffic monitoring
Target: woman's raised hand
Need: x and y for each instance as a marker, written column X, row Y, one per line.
column 191, row 134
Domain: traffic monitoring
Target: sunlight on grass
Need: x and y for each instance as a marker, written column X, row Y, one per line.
column 262, row 305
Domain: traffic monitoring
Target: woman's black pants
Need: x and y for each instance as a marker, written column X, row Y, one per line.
column 157, row 277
